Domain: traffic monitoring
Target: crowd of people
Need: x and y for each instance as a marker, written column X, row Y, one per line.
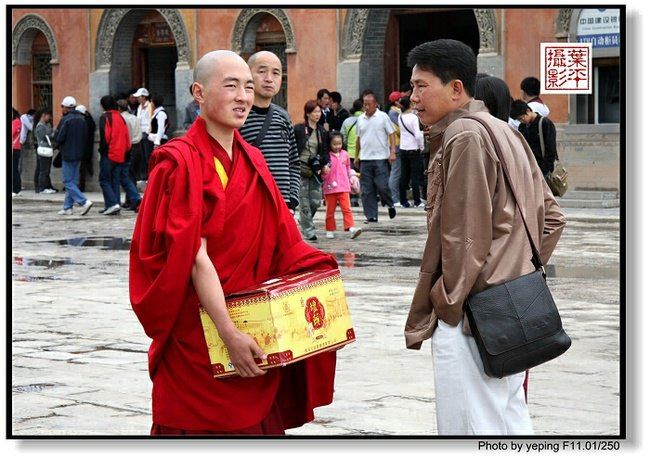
column 224, row 196
column 385, row 153
column 130, row 128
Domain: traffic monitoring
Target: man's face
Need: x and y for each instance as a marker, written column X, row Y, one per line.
column 324, row 101
column 431, row 98
column 132, row 100
column 267, row 75
column 526, row 118
column 227, row 97
column 335, row 105
column 369, row 105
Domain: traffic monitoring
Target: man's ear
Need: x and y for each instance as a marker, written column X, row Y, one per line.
column 197, row 91
column 457, row 89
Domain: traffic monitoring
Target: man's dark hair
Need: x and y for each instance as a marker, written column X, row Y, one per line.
column 14, row 114
column 336, row 97
column 31, row 112
column 122, row 105
column 494, row 92
column 367, row 92
column 108, row 102
column 519, row 108
column 531, row 86
column 321, row 93
column 357, row 105
column 158, row 100
column 448, row 60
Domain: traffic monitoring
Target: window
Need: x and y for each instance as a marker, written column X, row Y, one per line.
column 41, row 81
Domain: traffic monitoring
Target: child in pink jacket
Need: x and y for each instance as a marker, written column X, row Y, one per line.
column 336, row 188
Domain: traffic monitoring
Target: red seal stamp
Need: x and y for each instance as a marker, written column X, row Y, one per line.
column 315, row 312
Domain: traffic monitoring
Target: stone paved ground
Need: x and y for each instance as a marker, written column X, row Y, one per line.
column 79, row 353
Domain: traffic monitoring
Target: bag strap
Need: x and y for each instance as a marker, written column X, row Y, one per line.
column 347, row 132
column 541, row 135
column 536, row 260
column 48, row 140
column 265, row 127
column 405, row 127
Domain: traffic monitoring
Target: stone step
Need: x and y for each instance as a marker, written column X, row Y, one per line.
column 590, row 195
column 588, row 203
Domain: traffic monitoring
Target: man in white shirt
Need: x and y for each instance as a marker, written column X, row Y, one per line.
column 410, row 145
column 530, row 90
column 145, row 111
column 374, row 134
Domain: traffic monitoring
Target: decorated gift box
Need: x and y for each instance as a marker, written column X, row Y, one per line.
column 291, row 318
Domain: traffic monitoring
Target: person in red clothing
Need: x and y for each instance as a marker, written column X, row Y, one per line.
column 16, row 125
column 212, row 222
column 114, row 143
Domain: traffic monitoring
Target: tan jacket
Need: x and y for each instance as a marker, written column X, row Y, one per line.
column 476, row 238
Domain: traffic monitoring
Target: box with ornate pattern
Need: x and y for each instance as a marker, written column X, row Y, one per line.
column 291, row 318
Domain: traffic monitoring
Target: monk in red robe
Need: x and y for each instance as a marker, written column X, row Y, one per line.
column 213, row 222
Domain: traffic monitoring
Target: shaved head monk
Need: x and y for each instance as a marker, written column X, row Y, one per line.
column 212, row 222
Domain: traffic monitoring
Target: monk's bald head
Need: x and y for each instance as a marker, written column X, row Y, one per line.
column 208, row 65
column 266, row 69
column 266, row 56
column 224, row 89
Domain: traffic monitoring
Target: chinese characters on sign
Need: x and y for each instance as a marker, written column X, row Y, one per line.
column 161, row 33
column 566, row 68
column 600, row 27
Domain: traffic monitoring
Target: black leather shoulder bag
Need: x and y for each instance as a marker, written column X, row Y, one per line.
column 516, row 324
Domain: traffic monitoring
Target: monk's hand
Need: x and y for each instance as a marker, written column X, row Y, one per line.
column 242, row 348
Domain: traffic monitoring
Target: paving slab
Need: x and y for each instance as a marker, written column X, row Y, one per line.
column 79, row 354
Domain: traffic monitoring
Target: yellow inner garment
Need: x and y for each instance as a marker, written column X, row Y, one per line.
column 221, row 171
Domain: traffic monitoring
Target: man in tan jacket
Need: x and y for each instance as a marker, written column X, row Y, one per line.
column 476, row 238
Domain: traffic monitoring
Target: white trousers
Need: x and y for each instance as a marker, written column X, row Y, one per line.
column 468, row 402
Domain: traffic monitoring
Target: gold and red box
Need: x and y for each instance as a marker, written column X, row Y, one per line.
column 290, row 317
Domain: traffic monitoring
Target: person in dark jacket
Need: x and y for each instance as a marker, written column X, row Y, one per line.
column 86, row 167
column 192, row 111
column 324, row 102
column 43, row 135
column 339, row 113
column 313, row 143
column 71, row 137
column 529, row 128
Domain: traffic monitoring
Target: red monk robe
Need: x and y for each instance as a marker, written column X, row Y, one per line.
column 251, row 237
